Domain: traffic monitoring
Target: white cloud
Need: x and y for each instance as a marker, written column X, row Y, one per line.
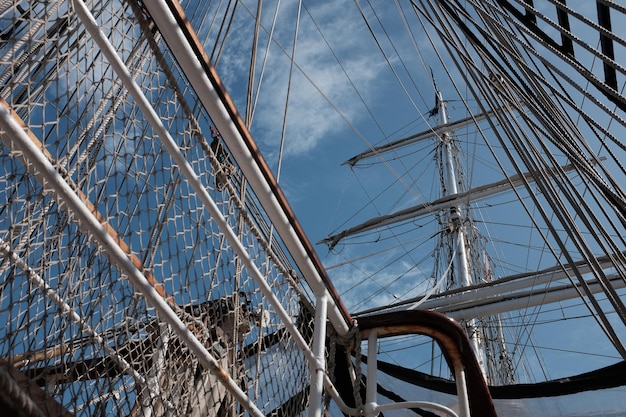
column 311, row 118
column 378, row 276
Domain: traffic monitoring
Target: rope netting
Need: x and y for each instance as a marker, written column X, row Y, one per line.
column 74, row 330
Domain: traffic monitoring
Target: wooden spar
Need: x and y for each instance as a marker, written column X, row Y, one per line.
column 48, row 406
column 459, row 302
column 427, row 134
column 22, row 359
column 442, row 203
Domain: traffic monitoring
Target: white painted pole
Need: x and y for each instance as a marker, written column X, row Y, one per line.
column 318, row 369
column 495, row 300
column 461, row 391
column 370, row 407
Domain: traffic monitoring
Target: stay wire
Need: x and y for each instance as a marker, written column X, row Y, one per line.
column 571, row 63
column 555, row 202
column 216, row 52
column 384, row 54
column 538, row 75
column 316, row 87
column 574, row 230
column 345, row 72
column 400, row 178
column 251, row 73
column 562, row 128
column 288, row 95
column 270, row 37
column 557, row 135
column 597, row 307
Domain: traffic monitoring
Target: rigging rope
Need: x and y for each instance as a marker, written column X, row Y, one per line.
column 14, row 394
column 288, row 95
column 345, row 72
column 217, row 53
column 251, row 73
column 265, row 60
column 435, row 288
column 617, row 303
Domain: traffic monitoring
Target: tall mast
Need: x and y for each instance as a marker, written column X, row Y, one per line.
column 456, row 227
